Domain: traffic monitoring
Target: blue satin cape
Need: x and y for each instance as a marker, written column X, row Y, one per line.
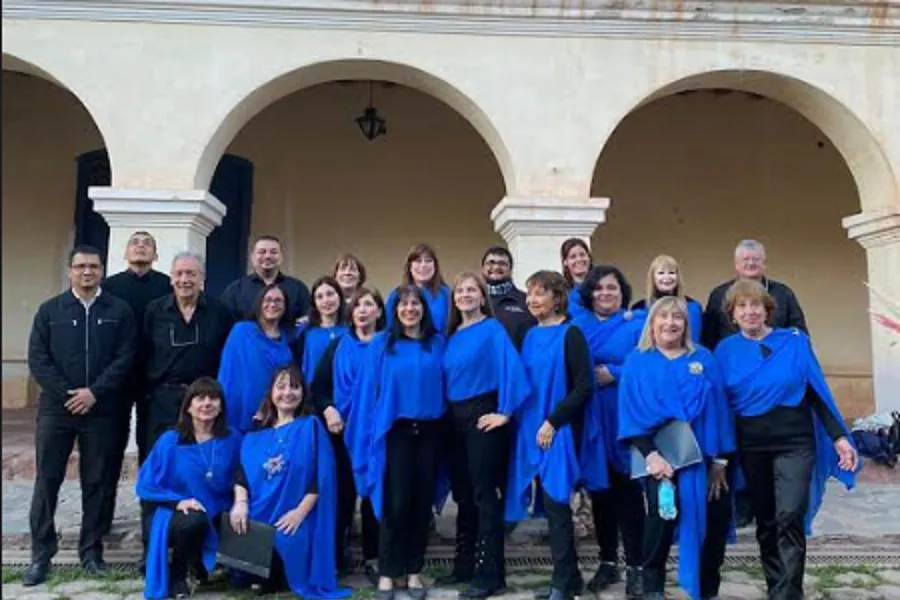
column 481, row 358
column 438, row 306
column 314, row 345
column 308, row 554
column 249, row 360
column 174, row 472
column 348, row 360
column 544, row 355
column 404, row 383
column 576, row 306
column 610, row 341
column 755, row 385
column 655, row 390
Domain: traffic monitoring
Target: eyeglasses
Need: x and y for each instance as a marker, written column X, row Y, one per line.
column 496, row 263
column 193, row 342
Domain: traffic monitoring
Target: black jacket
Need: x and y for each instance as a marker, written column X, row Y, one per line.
column 717, row 325
column 241, row 294
column 69, row 349
column 512, row 312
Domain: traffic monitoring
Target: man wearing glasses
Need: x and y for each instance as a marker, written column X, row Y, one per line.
column 80, row 352
column 507, row 301
column 183, row 336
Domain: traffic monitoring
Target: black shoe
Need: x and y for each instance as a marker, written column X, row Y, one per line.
column 634, row 583
column 384, row 594
column 417, row 593
column 478, row 592
column 94, row 565
column 558, row 594
column 179, row 589
column 606, row 575
column 547, row 592
column 36, row 574
column 453, row 579
column 371, row 572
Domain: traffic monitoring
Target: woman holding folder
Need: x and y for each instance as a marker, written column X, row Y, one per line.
column 187, row 480
column 668, row 381
column 286, row 479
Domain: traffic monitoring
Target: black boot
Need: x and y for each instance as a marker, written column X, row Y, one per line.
column 490, row 576
column 634, row 583
column 36, row 574
column 654, row 584
column 606, row 575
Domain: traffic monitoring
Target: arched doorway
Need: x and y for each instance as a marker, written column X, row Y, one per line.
column 696, row 169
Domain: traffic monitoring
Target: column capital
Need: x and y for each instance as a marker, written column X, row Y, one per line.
column 197, row 210
column 874, row 228
column 548, row 215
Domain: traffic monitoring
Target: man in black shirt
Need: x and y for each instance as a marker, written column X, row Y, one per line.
column 750, row 263
column 241, row 294
column 507, row 301
column 80, row 352
column 184, row 333
column 137, row 286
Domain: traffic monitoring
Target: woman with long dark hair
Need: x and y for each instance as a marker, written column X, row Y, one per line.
column 576, row 263
column 332, row 391
column 423, row 270
column 326, row 323
column 187, row 482
column 393, row 435
column 617, row 504
column 286, row 479
column 252, row 353
column 548, row 426
column 485, row 384
column 791, row 435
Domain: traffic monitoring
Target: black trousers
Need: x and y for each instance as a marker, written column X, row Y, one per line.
column 658, row 535
column 122, row 432
column 478, row 462
column 620, row 508
column 370, row 530
column 566, row 577
column 409, row 489
column 186, row 535
column 54, row 441
column 162, row 405
column 778, row 483
column 346, row 490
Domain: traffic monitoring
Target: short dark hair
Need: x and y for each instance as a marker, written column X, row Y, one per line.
column 555, row 283
column 85, row 249
column 415, row 253
column 427, row 324
column 266, row 238
column 502, row 251
column 350, row 259
column 256, row 312
column 315, row 317
column 564, row 252
column 593, row 279
column 267, row 412
column 355, row 298
column 203, row 386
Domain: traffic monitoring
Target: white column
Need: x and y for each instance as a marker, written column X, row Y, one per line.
column 879, row 234
column 534, row 228
column 179, row 220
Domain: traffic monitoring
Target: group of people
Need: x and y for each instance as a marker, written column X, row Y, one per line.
column 290, row 406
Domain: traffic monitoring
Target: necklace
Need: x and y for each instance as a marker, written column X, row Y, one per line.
column 275, row 462
column 211, row 462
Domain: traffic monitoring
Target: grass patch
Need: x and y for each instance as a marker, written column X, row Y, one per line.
column 12, row 574
column 754, row 572
column 827, row 576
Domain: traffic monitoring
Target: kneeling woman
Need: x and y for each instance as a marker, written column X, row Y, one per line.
column 188, row 480
column 670, row 379
column 393, row 435
column 791, row 436
column 486, row 384
column 286, row 478
column 548, row 426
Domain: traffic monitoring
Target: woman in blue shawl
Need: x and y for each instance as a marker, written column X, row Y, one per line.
column 253, row 351
column 325, row 324
column 332, row 391
column 187, row 481
column 669, row 379
column 576, row 263
column 485, row 384
column 423, row 270
column 791, row 436
column 286, row 478
column 664, row 279
column 393, row 435
column 617, row 504
column 548, row 426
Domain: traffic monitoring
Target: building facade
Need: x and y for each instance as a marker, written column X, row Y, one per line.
column 670, row 126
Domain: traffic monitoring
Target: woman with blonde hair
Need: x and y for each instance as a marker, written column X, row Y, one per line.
column 669, row 379
column 664, row 279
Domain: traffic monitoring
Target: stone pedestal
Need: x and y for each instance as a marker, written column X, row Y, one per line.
column 535, row 227
column 879, row 234
column 179, row 220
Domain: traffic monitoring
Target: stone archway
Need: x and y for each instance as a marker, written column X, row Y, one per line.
column 713, row 158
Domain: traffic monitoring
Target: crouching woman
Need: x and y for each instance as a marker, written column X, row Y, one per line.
column 669, row 379
column 188, row 480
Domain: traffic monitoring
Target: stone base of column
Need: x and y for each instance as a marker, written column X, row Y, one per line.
column 535, row 227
